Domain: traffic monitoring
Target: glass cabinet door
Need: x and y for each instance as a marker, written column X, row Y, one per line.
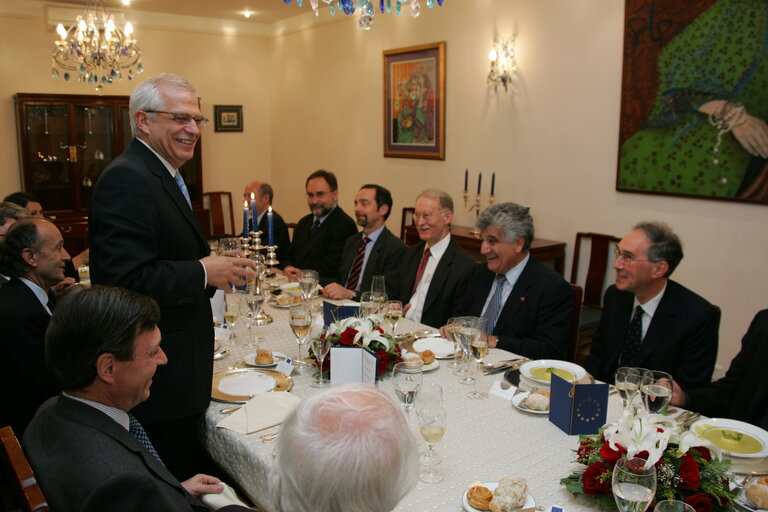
column 50, row 157
column 93, row 126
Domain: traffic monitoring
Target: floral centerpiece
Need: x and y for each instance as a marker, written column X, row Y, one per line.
column 688, row 468
column 363, row 332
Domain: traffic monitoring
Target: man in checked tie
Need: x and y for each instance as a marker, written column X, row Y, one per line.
column 87, row 450
column 650, row 321
column 145, row 236
column 373, row 251
column 529, row 307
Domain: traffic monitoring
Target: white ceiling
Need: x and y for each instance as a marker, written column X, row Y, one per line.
column 264, row 11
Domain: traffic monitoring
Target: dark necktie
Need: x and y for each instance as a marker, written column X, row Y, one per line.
column 495, row 305
column 315, row 226
column 183, row 186
column 357, row 265
column 141, row 436
column 633, row 339
column 420, row 271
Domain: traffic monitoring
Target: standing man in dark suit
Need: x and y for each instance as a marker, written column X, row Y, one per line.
column 32, row 255
column 261, row 192
column 528, row 306
column 743, row 393
column 434, row 270
column 651, row 321
column 373, row 251
column 144, row 236
column 88, row 452
column 318, row 240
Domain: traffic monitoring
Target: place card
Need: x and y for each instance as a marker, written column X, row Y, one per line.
column 284, row 366
column 334, row 312
column 577, row 408
column 506, row 394
column 353, row 364
column 221, row 334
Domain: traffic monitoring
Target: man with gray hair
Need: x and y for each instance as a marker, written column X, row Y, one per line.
column 528, row 306
column 345, row 449
column 650, row 321
column 145, row 236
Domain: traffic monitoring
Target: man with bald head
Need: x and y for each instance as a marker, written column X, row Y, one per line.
column 263, row 194
column 32, row 255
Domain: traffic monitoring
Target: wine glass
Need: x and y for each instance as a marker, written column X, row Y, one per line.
column 300, row 320
column 467, row 333
column 432, row 428
column 628, row 380
column 367, row 305
column 673, row 506
column 379, row 298
column 253, row 302
column 308, row 280
column 452, row 326
column 232, row 305
column 377, row 284
column 479, row 347
column 430, row 395
column 634, row 485
column 656, row 389
column 320, row 346
column 393, row 313
column 231, row 247
column 407, row 383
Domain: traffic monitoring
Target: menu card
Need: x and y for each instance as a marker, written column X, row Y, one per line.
column 577, row 408
column 333, row 312
column 353, row 364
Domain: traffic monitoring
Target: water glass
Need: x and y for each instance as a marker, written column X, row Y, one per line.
column 673, row 506
column 628, row 380
column 320, row 346
column 634, row 485
column 407, row 383
column 656, row 390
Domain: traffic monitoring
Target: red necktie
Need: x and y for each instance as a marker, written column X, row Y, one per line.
column 357, row 265
column 420, row 271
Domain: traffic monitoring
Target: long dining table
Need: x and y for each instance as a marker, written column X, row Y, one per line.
column 484, row 440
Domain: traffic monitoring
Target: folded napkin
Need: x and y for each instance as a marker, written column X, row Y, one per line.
column 223, row 499
column 262, row 411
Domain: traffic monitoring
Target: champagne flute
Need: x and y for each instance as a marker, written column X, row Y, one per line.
column 300, row 320
column 253, row 302
column 377, row 284
column 231, row 247
column 628, row 380
column 430, row 395
column 308, row 280
column 656, row 390
column 673, row 506
column 452, row 326
column 432, row 427
column 467, row 333
column 379, row 298
column 479, row 347
column 367, row 305
column 320, row 346
column 407, row 383
column 231, row 311
column 634, row 486
column 394, row 311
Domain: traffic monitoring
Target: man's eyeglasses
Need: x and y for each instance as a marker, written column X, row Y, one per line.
column 626, row 258
column 181, row 117
column 318, row 195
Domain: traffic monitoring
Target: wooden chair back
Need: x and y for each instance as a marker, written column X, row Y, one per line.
column 600, row 255
column 573, row 338
column 221, row 217
column 28, row 495
column 406, row 220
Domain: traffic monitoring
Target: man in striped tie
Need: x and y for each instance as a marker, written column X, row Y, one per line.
column 373, row 251
column 88, row 452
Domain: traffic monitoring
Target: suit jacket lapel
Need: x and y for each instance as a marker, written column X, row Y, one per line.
column 410, row 271
column 442, row 271
column 348, row 258
column 517, row 296
column 663, row 316
column 374, row 256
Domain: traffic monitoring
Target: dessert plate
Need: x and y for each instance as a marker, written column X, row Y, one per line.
column 529, row 501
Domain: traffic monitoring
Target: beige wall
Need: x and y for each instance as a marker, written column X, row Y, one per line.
column 312, row 99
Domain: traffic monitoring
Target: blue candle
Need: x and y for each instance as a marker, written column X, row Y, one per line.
column 245, row 219
column 466, row 179
column 479, row 182
column 269, row 227
column 254, row 214
column 493, row 183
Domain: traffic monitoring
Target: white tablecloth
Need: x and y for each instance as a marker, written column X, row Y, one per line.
column 484, row 440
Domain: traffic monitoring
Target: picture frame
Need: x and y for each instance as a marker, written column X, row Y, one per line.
column 414, row 102
column 688, row 91
column 228, row 118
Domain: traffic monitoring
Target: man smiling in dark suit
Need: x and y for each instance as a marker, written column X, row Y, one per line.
column 651, row 321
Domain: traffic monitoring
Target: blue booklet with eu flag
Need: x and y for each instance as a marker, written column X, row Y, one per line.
column 334, row 312
column 577, row 408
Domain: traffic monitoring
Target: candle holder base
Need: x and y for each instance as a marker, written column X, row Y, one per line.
column 262, row 319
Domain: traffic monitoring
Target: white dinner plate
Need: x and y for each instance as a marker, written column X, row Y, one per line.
column 715, row 426
column 491, row 486
column 434, row 365
column 442, row 348
column 250, row 360
column 517, row 403
column 532, row 366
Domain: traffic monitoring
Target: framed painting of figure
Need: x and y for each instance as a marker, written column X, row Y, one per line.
column 695, row 99
column 414, row 102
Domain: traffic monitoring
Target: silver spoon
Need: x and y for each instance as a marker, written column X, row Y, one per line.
column 220, row 355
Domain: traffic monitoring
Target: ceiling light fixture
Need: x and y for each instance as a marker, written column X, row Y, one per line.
column 366, row 9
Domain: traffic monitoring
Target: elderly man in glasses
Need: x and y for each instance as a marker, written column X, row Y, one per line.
column 145, row 236
column 650, row 321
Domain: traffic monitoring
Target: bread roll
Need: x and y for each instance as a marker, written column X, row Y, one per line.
column 757, row 495
column 479, row 497
column 264, row 357
column 427, row 356
column 509, row 495
column 538, row 401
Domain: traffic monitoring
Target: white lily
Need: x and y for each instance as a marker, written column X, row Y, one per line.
column 638, row 431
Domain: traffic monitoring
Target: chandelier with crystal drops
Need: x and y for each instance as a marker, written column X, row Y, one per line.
column 96, row 49
column 366, row 9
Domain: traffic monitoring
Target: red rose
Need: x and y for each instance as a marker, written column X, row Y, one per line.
column 348, row 336
column 689, row 473
column 585, row 448
column 700, row 501
column 378, row 328
column 610, row 455
column 383, row 361
column 703, row 452
column 591, row 482
column 643, row 455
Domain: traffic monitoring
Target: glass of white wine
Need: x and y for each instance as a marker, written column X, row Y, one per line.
column 432, row 428
column 479, row 348
column 367, row 305
column 308, row 280
column 232, row 308
column 656, row 390
column 320, row 346
column 634, row 485
column 300, row 320
column 452, row 326
column 393, row 312
column 379, row 298
column 407, row 383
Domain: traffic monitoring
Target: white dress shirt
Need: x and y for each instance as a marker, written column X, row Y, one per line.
column 420, row 295
column 649, row 309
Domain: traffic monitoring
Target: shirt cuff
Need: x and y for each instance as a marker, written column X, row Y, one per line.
column 205, row 275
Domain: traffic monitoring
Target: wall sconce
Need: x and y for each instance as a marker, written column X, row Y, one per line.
column 502, row 57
